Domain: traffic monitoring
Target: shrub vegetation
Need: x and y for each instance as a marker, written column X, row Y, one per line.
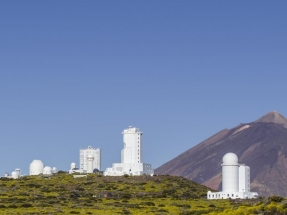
column 160, row 195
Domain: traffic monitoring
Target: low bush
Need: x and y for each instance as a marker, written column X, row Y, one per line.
column 26, row 205
column 276, row 198
column 148, row 203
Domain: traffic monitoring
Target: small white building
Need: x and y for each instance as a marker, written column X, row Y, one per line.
column 131, row 156
column 74, row 169
column 14, row 175
column 54, row 170
column 84, row 153
column 235, row 180
column 47, row 170
column 90, row 166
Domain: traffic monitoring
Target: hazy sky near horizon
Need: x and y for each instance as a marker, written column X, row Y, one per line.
column 76, row 73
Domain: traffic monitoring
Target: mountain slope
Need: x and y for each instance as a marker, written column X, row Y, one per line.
column 261, row 144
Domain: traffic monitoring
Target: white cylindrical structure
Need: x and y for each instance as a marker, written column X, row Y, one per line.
column 18, row 172
column 73, row 165
column 230, row 173
column 36, row 167
column 90, row 163
column 47, row 170
column 14, row 175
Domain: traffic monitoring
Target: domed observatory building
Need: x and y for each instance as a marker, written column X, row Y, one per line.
column 36, row 167
column 14, row 175
column 47, row 170
column 235, row 180
column 131, row 156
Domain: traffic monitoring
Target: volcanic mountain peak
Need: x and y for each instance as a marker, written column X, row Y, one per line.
column 260, row 144
column 274, row 117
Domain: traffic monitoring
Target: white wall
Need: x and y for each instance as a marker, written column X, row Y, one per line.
column 130, row 169
column 232, row 195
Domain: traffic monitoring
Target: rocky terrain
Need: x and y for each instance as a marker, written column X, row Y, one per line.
column 261, row 144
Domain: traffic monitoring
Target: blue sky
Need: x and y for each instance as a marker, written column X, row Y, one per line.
column 76, row 73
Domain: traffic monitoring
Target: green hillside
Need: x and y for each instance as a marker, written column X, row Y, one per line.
column 63, row 194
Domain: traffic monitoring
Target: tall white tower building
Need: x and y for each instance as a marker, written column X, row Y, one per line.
column 131, row 153
column 235, row 180
column 131, row 156
column 96, row 153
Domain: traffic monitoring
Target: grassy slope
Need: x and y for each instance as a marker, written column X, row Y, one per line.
column 62, row 194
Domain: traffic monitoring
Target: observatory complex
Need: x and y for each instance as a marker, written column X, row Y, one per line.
column 235, row 180
column 131, row 156
column 235, row 176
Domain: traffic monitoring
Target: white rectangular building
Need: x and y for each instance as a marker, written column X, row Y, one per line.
column 244, row 178
column 84, row 158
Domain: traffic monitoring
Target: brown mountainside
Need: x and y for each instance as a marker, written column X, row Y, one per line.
column 262, row 145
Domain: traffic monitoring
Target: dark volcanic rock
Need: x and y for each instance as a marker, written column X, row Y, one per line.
column 262, row 145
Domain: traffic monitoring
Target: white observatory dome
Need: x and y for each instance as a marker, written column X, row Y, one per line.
column 230, row 158
column 90, row 157
column 47, row 170
column 14, row 174
column 36, row 167
column 73, row 165
column 54, row 170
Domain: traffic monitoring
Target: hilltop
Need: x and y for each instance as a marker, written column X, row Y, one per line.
column 261, row 144
column 160, row 195
column 62, row 193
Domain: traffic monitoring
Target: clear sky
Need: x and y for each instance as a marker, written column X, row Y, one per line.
column 76, row 73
